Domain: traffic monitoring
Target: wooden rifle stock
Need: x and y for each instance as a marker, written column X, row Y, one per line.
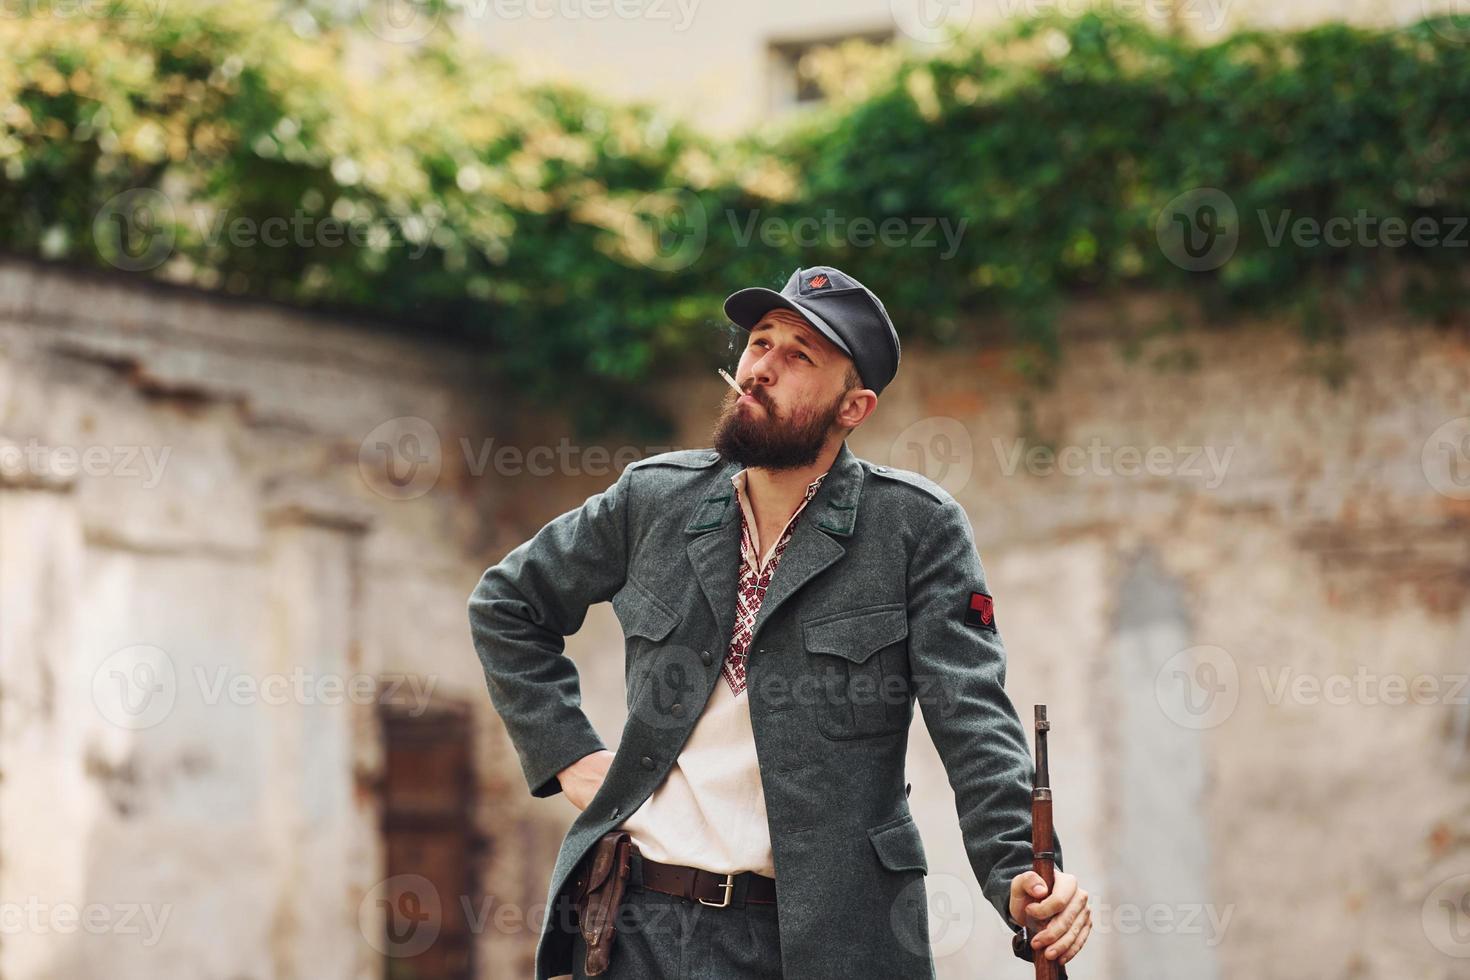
column 1043, row 856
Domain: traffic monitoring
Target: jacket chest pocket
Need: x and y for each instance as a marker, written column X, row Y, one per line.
column 860, row 660
column 647, row 623
column 643, row 613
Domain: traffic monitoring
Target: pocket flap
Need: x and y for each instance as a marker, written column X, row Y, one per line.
column 642, row 613
column 900, row 847
column 855, row 636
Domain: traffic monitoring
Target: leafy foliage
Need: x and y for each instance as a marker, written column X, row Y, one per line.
column 234, row 148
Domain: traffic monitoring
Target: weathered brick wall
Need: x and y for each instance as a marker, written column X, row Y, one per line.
column 191, row 507
column 1245, row 596
column 1211, row 570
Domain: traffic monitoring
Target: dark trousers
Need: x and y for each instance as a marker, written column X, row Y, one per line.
column 661, row 937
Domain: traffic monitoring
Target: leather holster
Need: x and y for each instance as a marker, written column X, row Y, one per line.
column 601, row 880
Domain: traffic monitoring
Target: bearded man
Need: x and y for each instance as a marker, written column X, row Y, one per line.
column 784, row 605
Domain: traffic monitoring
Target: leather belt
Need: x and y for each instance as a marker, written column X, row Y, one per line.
column 713, row 888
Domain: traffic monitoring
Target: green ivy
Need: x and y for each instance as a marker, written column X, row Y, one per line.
column 584, row 247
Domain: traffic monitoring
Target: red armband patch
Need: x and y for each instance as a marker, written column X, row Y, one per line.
column 981, row 611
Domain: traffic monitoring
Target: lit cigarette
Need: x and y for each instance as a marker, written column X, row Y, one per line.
column 733, row 383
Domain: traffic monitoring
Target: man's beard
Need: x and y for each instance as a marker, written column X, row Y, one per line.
column 759, row 438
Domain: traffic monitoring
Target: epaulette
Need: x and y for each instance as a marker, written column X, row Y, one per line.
column 917, row 480
column 689, row 459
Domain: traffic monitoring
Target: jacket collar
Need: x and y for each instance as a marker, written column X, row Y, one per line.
column 833, row 509
column 816, row 543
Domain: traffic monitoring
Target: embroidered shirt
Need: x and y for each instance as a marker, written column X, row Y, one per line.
column 755, row 578
column 710, row 811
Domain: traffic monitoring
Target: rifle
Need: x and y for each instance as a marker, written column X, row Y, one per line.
column 1043, row 844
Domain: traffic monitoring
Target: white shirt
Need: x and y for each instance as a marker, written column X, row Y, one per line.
column 710, row 811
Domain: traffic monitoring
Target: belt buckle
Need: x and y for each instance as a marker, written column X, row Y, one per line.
column 729, row 885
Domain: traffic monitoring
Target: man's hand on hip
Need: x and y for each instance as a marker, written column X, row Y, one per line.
column 1064, row 913
column 581, row 780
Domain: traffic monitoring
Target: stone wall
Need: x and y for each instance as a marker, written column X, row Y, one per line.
column 201, row 563
column 1219, row 572
column 1209, row 563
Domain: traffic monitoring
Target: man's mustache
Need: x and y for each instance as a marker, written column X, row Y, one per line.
column 753, row 391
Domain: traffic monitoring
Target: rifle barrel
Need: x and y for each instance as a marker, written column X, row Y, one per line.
column 1043, row 841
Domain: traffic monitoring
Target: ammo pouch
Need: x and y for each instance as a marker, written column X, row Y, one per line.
column 601, row 880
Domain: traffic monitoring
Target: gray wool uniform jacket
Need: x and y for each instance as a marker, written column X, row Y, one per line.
column 880, row 602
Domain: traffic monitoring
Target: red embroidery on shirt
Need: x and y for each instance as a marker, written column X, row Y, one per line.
column 751, row 591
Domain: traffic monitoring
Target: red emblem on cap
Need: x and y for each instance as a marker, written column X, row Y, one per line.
column 817, row 281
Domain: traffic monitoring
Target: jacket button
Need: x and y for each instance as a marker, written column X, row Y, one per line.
column 678, row 710
column 617, row 811
column 646, row 762
column 705, row 658
column 881, row 469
